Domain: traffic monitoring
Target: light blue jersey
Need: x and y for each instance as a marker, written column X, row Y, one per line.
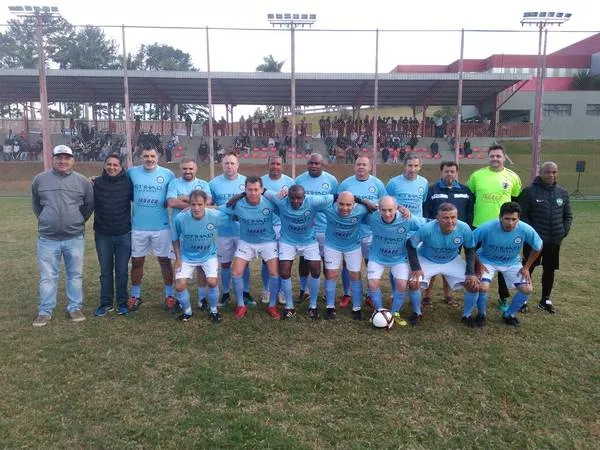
column 503, row 248
column 389, row 239
column 179, row 188
column 324, row 184
column 297, row 225
column 276, row 185
column 439, row 247
column 372, row 189
column 221, row 190
column 149, row 211
column 256, row 221
column 197, row 236
column 409, row 193
column 343, row 232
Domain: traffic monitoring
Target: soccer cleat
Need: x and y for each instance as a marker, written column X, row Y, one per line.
column 281, row 298
column 214, row 317
column 369, row 301
column 76, row 316
column 344, row 301
column 449, row 300
column 313, row 314
column 415, row 319
column 171, row 303
column 481, row 320
column 511, row 320
column 524, row 308
column 184, row 317
column 203, row 305
column 330, row 314
column 133, row 304
column 273, row 312
column 101, row 311
column 240, row 312
column 265, row 297
column 468, row 321
column 357, row 315
column 503, row 304
column 302, row 297
column 225, row 297
column 122, row 310
column 426, row 301
column 547, row 306
column 248, row 300
column 288, row 313
column 41, row 320
column 399, row 320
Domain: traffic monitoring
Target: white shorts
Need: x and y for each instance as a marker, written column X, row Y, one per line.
column 226, row 248
column 159, row 241
column 310, row 252
column 365, row 246
column 511, row 274
column 333, row 259
column 187, row 270
column 454, row 271
column 321, row 242
column 277, row 230
column 399, row 271
column 265, row 250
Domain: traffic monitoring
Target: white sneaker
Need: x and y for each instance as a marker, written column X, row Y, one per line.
column 265, row 297
column 281, row 298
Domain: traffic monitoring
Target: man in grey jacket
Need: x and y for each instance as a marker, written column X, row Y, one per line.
column 63, row 200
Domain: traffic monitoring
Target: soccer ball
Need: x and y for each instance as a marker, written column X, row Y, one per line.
column 382, row 318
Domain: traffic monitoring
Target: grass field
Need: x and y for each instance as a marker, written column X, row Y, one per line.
column 146, row 380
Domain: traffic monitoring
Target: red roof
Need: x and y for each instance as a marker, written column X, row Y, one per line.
column 587, row 46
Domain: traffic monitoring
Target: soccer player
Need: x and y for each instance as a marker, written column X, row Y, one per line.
column 439, row 253
column 178, row 199
column 150, row 225
column 275, row 181
column 194, row 244
column 388, row 250
column 546, row 207
column 315, row 181
column 257, row 238
column 222, row 188
column 365, row 186
column 500, row 251
column 409, row 188
column 493, row 186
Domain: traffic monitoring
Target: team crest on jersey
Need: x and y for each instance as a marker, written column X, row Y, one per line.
column 241, row 187
column 518, row 240
column 401, row 230
column 210, row 226
column 266, row 211
column 160, row 179
column 559, row 201
column 307, row 213
column 457, row 240
column 421, row 190
column 325, row 186
column 372, row 189
column 505, row 184
column 354, row 219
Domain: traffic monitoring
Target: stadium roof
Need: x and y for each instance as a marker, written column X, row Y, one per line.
column 253, row 88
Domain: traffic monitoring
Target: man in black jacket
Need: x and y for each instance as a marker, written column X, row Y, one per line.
column 546, row 207
column 113, row 193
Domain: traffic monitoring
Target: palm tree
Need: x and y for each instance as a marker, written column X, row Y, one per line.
column 585, row 81
column 270, row 65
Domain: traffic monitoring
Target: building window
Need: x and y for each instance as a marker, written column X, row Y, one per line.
column 592, row 109
column 557, row 109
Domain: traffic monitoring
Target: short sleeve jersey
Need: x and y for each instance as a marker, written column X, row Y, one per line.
column 276, row 185
column 324, row 184
column 503, row 248
column 197, row 236
column 371, row 189
column 409, row 193
column 389, row 239
column 491, row 190
column 256, row 221
column 179, row 187
column 221, row 190
column 149, row 198
column 343, row 232
column 439, row 247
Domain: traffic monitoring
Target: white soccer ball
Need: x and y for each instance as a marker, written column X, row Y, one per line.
column 382, row 318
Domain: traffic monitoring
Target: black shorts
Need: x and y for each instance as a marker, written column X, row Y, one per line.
column 549, row 258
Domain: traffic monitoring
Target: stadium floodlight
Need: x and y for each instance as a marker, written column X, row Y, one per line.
column 291, row 20
column 40, row 13
column 542, row 20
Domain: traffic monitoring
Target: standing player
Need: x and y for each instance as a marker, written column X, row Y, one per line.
column 440, row 254
column 315, row 181
column 273, row 181
column 409, row 188
column 222, row 188
column 178, row 199
column 150, row 225
column 493, row 186
column 501, row 243
column 194, row 244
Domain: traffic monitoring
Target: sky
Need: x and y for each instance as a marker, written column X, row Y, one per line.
column 330, row 51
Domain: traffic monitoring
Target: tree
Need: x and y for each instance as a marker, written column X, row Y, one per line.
column 88, row 49
column 160, row 57
column 585, row 81
column 270, row 65
column 448, row 113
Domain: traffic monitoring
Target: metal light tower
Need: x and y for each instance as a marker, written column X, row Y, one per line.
column 41, row 12
column 292, row 21
column 542, row 20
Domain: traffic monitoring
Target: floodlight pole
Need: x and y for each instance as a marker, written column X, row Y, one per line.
column 375, row 102
column 128, row 134
column 293, row 97
column 460, row 99
column 211, row 147
column 46, row 141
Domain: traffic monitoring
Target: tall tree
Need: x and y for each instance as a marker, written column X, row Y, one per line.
column 161, row 57
column 270, row 65
column 88, row 48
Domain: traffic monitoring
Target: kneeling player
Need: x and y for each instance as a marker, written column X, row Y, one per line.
column 501, row 245
column 194, row 236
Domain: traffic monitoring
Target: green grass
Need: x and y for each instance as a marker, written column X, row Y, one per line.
column 148, row 381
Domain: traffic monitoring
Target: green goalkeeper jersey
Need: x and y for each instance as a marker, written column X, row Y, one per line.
column 491, row 190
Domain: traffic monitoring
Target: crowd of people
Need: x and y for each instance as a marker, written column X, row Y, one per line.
column 212, row 230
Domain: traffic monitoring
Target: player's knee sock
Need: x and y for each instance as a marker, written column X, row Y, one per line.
column 517, row 301
column 183, row 297
column 356, row 294
column 247, row 279
column 213, row 298
column 415, row 300
column 225, row 279
column 315, row 287
column 482, row 301
column 286, row 287
column 264, row 274
column 398, row 301
column 273, row 290
column 330, row 293
column 345, row 280
column 202, row 293
column 238, row 290
column 168, row 290
column 136, row 290
column 376, row 298
column 470, row 301
column 303, row 282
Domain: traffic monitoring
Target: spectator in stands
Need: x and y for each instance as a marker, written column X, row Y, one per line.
column 385, row 154
column 249, row 126
column 439, row 127
column 435, row 148
column 467, row 147
column 188, row 125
